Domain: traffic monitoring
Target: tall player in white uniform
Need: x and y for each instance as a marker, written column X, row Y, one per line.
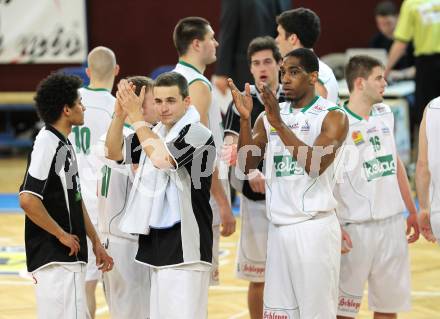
column 127, row 286
column 370, row 201
column 299, row 140
column 300, row 28
column 428, row 172
column 99, row 102
column 195, row 43
column 264, row 60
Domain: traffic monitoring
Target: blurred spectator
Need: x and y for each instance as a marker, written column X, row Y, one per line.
column 386, row 15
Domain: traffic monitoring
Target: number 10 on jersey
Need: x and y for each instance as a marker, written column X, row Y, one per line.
column 82, row 139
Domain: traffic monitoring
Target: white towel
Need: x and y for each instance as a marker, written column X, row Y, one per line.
column 154, row 197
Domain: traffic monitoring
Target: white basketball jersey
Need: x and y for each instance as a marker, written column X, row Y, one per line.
column 192, row 75
column 328, row 79
column 292, row 195
column 99, row 104
column 215, row 124
column 433, row 135
column 369, row 189
column 114, row 185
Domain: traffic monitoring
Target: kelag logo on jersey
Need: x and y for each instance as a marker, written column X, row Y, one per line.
column 380, row 166
column 285, row 165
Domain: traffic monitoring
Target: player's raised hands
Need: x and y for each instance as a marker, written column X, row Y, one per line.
column 271, row 106
column 243, row 101
column 129, row 101
column 119, row 111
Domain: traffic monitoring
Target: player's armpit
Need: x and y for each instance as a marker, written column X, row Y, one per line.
column 200, row 95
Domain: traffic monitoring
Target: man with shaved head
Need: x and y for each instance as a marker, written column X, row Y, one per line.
column 99, row 102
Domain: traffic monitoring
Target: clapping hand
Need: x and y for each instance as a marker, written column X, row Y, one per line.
column 271, row 106
column 243, row 102
column 129, row 101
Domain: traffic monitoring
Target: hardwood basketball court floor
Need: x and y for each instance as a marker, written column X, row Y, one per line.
column 227, row 301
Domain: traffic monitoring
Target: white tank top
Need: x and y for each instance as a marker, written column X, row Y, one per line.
column 292, row 195
column 99, row 104
column 369, row 189
column 433, row 134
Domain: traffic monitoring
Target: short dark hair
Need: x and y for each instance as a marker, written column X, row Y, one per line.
column 263, row 43
column 360, row 66
column 386, row 8
column 173, row 79
column 188, row 29
column 140, row 81
column 304, row 23
column 307, row 58
column 53, row 93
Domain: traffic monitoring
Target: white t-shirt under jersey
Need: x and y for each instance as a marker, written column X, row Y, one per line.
column 369, row 189
column 433, row 134
column 292, row 196
column 328, row 79
column 99, row 104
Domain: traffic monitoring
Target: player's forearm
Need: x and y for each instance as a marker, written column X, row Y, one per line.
column 114, row 139
column 217, row 190
column 423, row 179
column 37, row 213
column 396, row 52
column 404, row 187
column 245, row 161
column 153, row 146
column 90, row 229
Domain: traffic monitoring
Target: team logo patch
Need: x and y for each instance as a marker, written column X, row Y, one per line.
column 305, row 127
column 285, row 165
column 385, row 130
column 357, row 137
column 379, row 167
